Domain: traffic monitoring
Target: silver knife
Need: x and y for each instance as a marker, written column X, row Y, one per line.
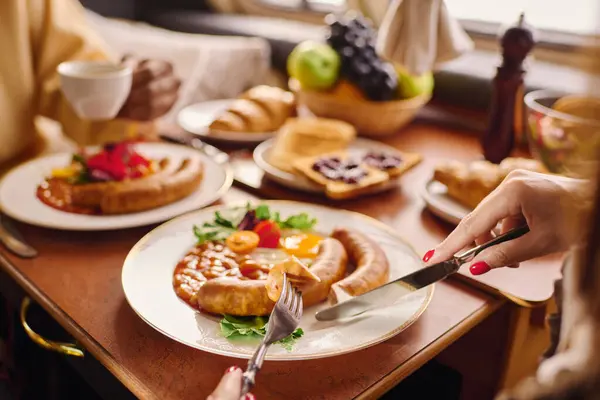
column 12, row 239
column 387, row 294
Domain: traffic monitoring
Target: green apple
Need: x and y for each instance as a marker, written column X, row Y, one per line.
column 315, row 65
column 411, row 85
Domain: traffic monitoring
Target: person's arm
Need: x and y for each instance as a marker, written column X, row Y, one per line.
column 60, row 33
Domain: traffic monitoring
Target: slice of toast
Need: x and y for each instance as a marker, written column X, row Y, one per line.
column 336, row 189
column 369, row 184
column 408, row 160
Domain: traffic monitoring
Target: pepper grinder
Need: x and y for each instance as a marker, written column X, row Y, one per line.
column 506, row 121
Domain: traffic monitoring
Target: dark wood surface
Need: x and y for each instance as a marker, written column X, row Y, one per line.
column 77, row 279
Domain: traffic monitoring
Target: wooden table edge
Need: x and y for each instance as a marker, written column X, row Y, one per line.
column 97, row 351
column 429, row 352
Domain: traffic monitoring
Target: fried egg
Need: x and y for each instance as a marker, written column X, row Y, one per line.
column 301, row 245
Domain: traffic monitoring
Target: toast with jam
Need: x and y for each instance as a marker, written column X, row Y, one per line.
column 345, row 176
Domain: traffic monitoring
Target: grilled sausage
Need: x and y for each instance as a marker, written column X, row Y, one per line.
column 147, row 194
column 372, row 266
column 249, row 297
column 329, row 267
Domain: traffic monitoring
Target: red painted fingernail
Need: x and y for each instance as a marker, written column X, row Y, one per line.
column 479, row 268
column 249, row 396
column 231, row 369
column 428, row 255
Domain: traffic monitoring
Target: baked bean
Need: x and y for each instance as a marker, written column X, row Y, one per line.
column 255, row 274
column 250, row 269
column 240, row 258
column 232, row 272
column 195, row 274
column 212, row 260
column 184, row 291
column 210, row 274
column 249, row 264
column 178, row 279
column 229, row 264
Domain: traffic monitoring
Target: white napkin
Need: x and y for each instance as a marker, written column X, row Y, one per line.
column 421, row 34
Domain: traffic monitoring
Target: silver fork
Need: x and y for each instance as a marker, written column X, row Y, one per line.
column 284, row 320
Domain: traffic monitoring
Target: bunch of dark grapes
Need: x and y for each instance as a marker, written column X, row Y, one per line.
column 353, row 37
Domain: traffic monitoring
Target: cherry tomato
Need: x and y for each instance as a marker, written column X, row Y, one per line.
column 242, row 242
column 269, row 234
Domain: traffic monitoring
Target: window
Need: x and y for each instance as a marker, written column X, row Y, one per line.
column 560, row 24
column 580, row 17
column 311, row 5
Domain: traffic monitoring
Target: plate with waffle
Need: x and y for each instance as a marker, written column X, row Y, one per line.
column 456, row 187
column 120, row 185
column 252, row 117
column 321, row 155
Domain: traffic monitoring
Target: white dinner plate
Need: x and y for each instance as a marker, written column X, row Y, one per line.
column 155, row 256
column 298, row 182
column 197, row 117
column 440, row 204
column 18, row 193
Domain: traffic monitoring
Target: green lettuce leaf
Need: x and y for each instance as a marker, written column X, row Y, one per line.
column 255, row 328
column 300, row 221
column 262, row 212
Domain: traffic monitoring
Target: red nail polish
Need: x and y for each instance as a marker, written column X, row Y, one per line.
column 231, row 369
column 428, row 255
column 249, row 396
column 479, row 268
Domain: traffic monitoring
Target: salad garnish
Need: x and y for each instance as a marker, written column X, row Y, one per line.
column 254, row 327
column 261, row 220
column 115, row 162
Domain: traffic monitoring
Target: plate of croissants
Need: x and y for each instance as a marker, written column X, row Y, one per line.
column 252, row 117
column 456, row 187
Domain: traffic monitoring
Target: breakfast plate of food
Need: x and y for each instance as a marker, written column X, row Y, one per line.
column 456, row 188
column 251, row 118
column 212, row 277
column 119, row 185
column 322, row 155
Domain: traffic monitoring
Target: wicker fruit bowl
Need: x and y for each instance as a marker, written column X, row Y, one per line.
column 370, row 118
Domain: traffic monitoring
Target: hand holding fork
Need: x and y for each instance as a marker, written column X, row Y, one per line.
column 283, row 321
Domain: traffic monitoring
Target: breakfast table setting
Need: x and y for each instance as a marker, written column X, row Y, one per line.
column 271, row 219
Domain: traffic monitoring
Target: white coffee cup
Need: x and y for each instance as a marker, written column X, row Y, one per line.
column 96, row 89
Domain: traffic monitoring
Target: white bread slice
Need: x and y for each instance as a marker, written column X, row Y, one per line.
column 306, row 137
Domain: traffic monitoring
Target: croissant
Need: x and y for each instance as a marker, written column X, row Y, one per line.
column 260, row 109
column 470, row 183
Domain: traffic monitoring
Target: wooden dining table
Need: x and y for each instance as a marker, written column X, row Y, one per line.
column 76, row 279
